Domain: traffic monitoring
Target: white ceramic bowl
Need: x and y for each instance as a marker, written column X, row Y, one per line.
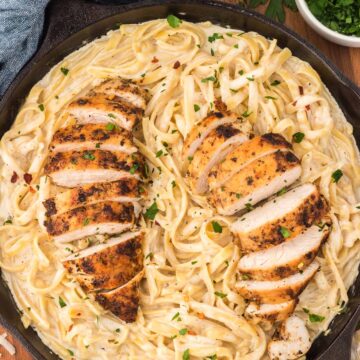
column 312, row 21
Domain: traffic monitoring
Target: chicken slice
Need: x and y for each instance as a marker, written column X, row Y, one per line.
column 255, row 182
column 275, row 292
column 244, row 154
column 124, row 89
column 76, row 168
column 270, row 312
column 107, row 266
column 124, row 190
column 287, row 258
column 91, row 137
column 101, row 108
column 107, row 217
column 213, row 149
column 200, row 131
column 286, row 215
column 122, row 301
column 291, row 341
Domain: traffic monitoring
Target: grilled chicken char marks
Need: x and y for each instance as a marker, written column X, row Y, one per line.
column 199, row 132
column 108, row 266
column 124, row 89
column 296, row 210
column 270, row 313
column 286, row 259
column 75, row 168
column 107, row 217
column 101, row 108
column 81, row 137
column 255, row 182
column 124, row 190
column 244, row 154
column 213, row 149
column 275, row 292
column 122, row 301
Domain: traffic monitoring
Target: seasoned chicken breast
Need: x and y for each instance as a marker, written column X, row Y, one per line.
column 255, row 182
column 100, row 108
column 108, row 217
column 270, row 312
column 244, row 154
column 107, row 266
column 291, row 341
column 275, row 292
column 124, row 89
column 124, row 190
column 122, row 301
column 76, row 168
column 287, row 258
column 91, row 137
column 280, row 219
column 202, row 130
column 213, row 149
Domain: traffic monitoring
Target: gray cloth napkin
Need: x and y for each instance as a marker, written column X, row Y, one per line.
column 21, row 23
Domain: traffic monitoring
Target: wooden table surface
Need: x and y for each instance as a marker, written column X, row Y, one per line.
column 347, row 60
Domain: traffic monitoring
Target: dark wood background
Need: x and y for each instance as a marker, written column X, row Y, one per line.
column 347, row 60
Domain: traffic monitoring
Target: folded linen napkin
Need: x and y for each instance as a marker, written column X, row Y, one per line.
column 21, row 23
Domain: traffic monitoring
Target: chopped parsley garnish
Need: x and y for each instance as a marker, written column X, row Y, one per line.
column 159, row 153
column 314, row 317
column 111, row 116
column 86, row 221
column 241, row 72
column 196, row 107
column 194, row 262
column 173, row 21
column 270, row 97
column 282, row 191
column 249, row 207
column 97, row 145
column 216, row 227
column 285, row 232
column 190, row 158
column 8, row 221
column 212, row 357
column 212, row 52
column 336, row 175
column 176, row 316
column 214, row 37
column 245, row 277
column 150, row 255
column 110, row 126
column 134, row 168
column 251, row 78
column 186, row 355
column 89, row 156
column 275, row 83
column 238, row 196
column 118, row 330
column 41, row 107
column 151, row 212
column 220, row 294
column 210, row 78
column 246, row 113
column 62, row 303
column 183, row 331
column 298, row 137
column 64, row 70
column 70, row 352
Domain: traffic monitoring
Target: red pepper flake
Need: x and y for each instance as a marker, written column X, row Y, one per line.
column 14, row 177
column 301, row 89
column 32, row 190
column 201, row 315
column 307, row 107
column 155, row 60
column 190, row 332
column 27, row 178
column 176, row 65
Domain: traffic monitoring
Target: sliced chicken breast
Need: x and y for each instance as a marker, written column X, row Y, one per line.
column 270, row 312
column 275, row 292
column 255, row 182
column 101, row 218
column 244, row 154
column 288, row 214
column 123, row 301
column 124, row 89
column 76, row 168
column 108, row 266
column 100, row 108
column 287, row 258
column 213, row 149
column 91, row 137
column 124, row 190
column 203, row 129
column 291, row 341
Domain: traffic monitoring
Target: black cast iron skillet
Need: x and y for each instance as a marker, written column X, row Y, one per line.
column 71, row 23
